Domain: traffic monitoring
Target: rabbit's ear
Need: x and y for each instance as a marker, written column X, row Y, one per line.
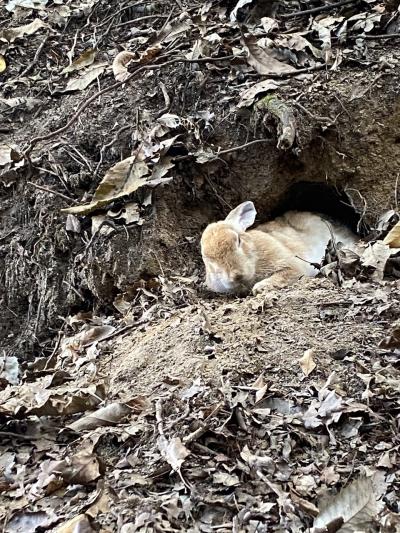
column 242, row 217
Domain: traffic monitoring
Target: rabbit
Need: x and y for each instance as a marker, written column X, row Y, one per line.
column 273, row 255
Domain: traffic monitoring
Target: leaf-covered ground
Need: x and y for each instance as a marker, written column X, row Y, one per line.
column 149, row 404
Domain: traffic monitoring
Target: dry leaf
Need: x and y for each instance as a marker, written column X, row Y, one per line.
column 27, row 4
column 126, row 177
column 106, row 416
column 78, row 524
column 9, row 370
column 94, row 334
column 3, row 65
column 248, row 96
column 86, row 78
column 97, row 221
column 238, row 6
column 392, row 239
column 375, row 256
column 357, row 505
column 262, row 61
column 130, row 213
column 72, row 224
column 307, row 363
column 122, row 59
column 393, row 340
column 269, row 24
column 122, row 179
column 173, row 451
column 121, row 304
column 28, row 522
column 223, row 478
column 82, row 469
column 170, row 31
column 297, row 42
column 8, row 154
column 59, row 402
column 169, row 120
column 12, row 34
column 119, row 64
column 84, row 60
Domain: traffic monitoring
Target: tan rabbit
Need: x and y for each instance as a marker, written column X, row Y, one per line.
column 274, row 255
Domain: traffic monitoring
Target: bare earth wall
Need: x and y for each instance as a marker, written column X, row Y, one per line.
column 359, row 154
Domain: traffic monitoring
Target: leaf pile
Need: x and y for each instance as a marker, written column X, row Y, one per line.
column 374, row 259
column 243, row 453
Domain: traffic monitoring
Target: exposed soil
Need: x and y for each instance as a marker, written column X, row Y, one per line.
column 248, row 337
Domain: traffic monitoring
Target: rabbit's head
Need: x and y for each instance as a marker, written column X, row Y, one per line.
column 228, row 252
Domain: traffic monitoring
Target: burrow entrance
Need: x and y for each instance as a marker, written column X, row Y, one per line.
column 321, row 198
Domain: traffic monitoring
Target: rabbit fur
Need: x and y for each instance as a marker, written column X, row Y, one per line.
column 273, row 255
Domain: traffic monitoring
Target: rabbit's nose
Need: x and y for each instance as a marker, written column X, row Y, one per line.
column 237, row 277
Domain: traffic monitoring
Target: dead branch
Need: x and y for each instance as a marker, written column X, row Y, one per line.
column 324, row 120
column 203, row 428
column 56, row 193
column 382, row 36
column 286, row 121
column 167, row 100
column 147, row 17
column 159, row 418
column 108, row 145
column 319, row 9
column 246, row 145
column 26, row 71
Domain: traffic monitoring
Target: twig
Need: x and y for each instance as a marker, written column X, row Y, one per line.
column 13, row 435
column 3, row 237
column 222, row 201
column 356, row 209
column 147, row 17
column 74, row 290
column 35, row 59
column 183, row 416
column 317, row 266
column 202, row 429
column 342, row 106
column 180, row 5
column 159, row 418
column 382, row 36
column 108, row 145
column 326, row 120
column 318, row 9
column 113, row 15
column 167, row 100
column 235, row 148
column 179, row 158
column 70, row 54
column 56, row 193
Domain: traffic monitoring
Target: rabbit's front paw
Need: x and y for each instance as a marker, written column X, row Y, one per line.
column 262, row 287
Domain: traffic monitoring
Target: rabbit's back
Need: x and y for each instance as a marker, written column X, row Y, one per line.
column 306, row 234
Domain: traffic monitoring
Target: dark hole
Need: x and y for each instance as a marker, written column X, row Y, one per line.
column 319, row 198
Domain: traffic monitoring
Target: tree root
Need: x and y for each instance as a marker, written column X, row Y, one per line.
column 285, row 117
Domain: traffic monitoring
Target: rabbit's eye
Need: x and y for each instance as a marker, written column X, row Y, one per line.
column 239, row 241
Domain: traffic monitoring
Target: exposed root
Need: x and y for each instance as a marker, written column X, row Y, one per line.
column 286, row 121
